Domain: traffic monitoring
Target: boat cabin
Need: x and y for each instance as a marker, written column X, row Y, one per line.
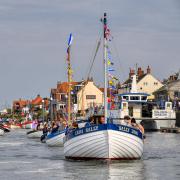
column 128, row 104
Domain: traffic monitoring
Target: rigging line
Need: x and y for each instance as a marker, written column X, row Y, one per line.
column 116, row 51
column 97, row 48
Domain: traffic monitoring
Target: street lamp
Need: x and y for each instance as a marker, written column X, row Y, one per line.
column 43, row 110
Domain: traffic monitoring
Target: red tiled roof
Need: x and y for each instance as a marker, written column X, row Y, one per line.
column 20, row 102
column 37, row 100
column 63, row 87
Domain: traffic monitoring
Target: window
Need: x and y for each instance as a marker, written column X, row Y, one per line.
column 90, row 96
column 156, row 83
column 134, row 98
column 177, row 94
column 144, row 98
column 145, row 83
column 125, row 98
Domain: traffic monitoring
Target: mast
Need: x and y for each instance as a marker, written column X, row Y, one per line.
column 69, row 87
column 105, row 66
column 69, row 78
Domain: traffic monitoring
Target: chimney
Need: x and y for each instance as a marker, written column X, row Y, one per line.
column 148, row 70
column 140, row 72
column 131, row 72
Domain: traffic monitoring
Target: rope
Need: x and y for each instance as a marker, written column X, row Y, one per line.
column 97, row 48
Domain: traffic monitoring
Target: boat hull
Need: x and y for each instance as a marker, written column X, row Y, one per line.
column 109, row 143
column 55, row 139
column 15, row 126
column 1, row 132
column 34, row 134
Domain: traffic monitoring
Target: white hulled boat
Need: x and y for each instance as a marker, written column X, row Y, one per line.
column 1, row 132
column 107, row 140
column 55, row 139
column 35, row 134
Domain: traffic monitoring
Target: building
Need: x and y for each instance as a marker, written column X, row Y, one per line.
column 89, row 95
column 170, row 91
column 83, row 95
column 146, row 82
column 18, row 105
column 27, row 106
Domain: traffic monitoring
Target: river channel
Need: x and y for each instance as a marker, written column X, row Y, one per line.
column 26, row 159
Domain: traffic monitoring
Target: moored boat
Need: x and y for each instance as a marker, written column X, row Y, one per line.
column 5, row 128
column 15, row 126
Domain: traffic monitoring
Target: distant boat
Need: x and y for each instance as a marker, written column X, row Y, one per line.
column 1, row 132
column 4, row 127
column 29, row 125
column 55, row 139
column 34, row 134
column 104, row 140
column 15, row 126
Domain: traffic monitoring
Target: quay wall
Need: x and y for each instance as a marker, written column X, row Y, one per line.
column 178, row 119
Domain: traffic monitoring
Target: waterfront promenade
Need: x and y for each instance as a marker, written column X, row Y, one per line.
column 24, row 159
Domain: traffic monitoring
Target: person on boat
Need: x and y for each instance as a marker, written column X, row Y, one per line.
column 45, row 131
column 38, row 126
column 127, row 121
column 74, row 125
column 45, row 128
column 102, row 120
column 136, row 125
column 55, row 127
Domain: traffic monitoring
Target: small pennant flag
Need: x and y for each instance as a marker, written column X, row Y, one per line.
column 70, row 39
column 112, row 87
column 115, row 78
column 110, row 69
column 110, row 63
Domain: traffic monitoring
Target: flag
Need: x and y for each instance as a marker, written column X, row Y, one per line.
column 110, row 63
column 70, row 39
column 110, row 69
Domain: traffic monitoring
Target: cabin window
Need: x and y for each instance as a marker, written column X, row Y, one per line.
column 90, row 96
column 134, row 98
column 125, row 98
column 144, row 98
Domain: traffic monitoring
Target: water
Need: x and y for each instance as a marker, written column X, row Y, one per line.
column 24, row 159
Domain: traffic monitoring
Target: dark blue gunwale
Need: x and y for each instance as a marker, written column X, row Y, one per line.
column 101, row 127
column 51, row 135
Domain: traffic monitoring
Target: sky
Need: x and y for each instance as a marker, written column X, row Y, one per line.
column 34, row 33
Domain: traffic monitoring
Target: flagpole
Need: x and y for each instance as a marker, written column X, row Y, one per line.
column 105, row 66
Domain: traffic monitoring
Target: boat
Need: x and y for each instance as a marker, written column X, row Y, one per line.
column 15, row 126
column 161, row 118
column 5, row 128
column 55, row 139
column 35, row 134
column 103, row 139
column 1, row 132
column 29, row 125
